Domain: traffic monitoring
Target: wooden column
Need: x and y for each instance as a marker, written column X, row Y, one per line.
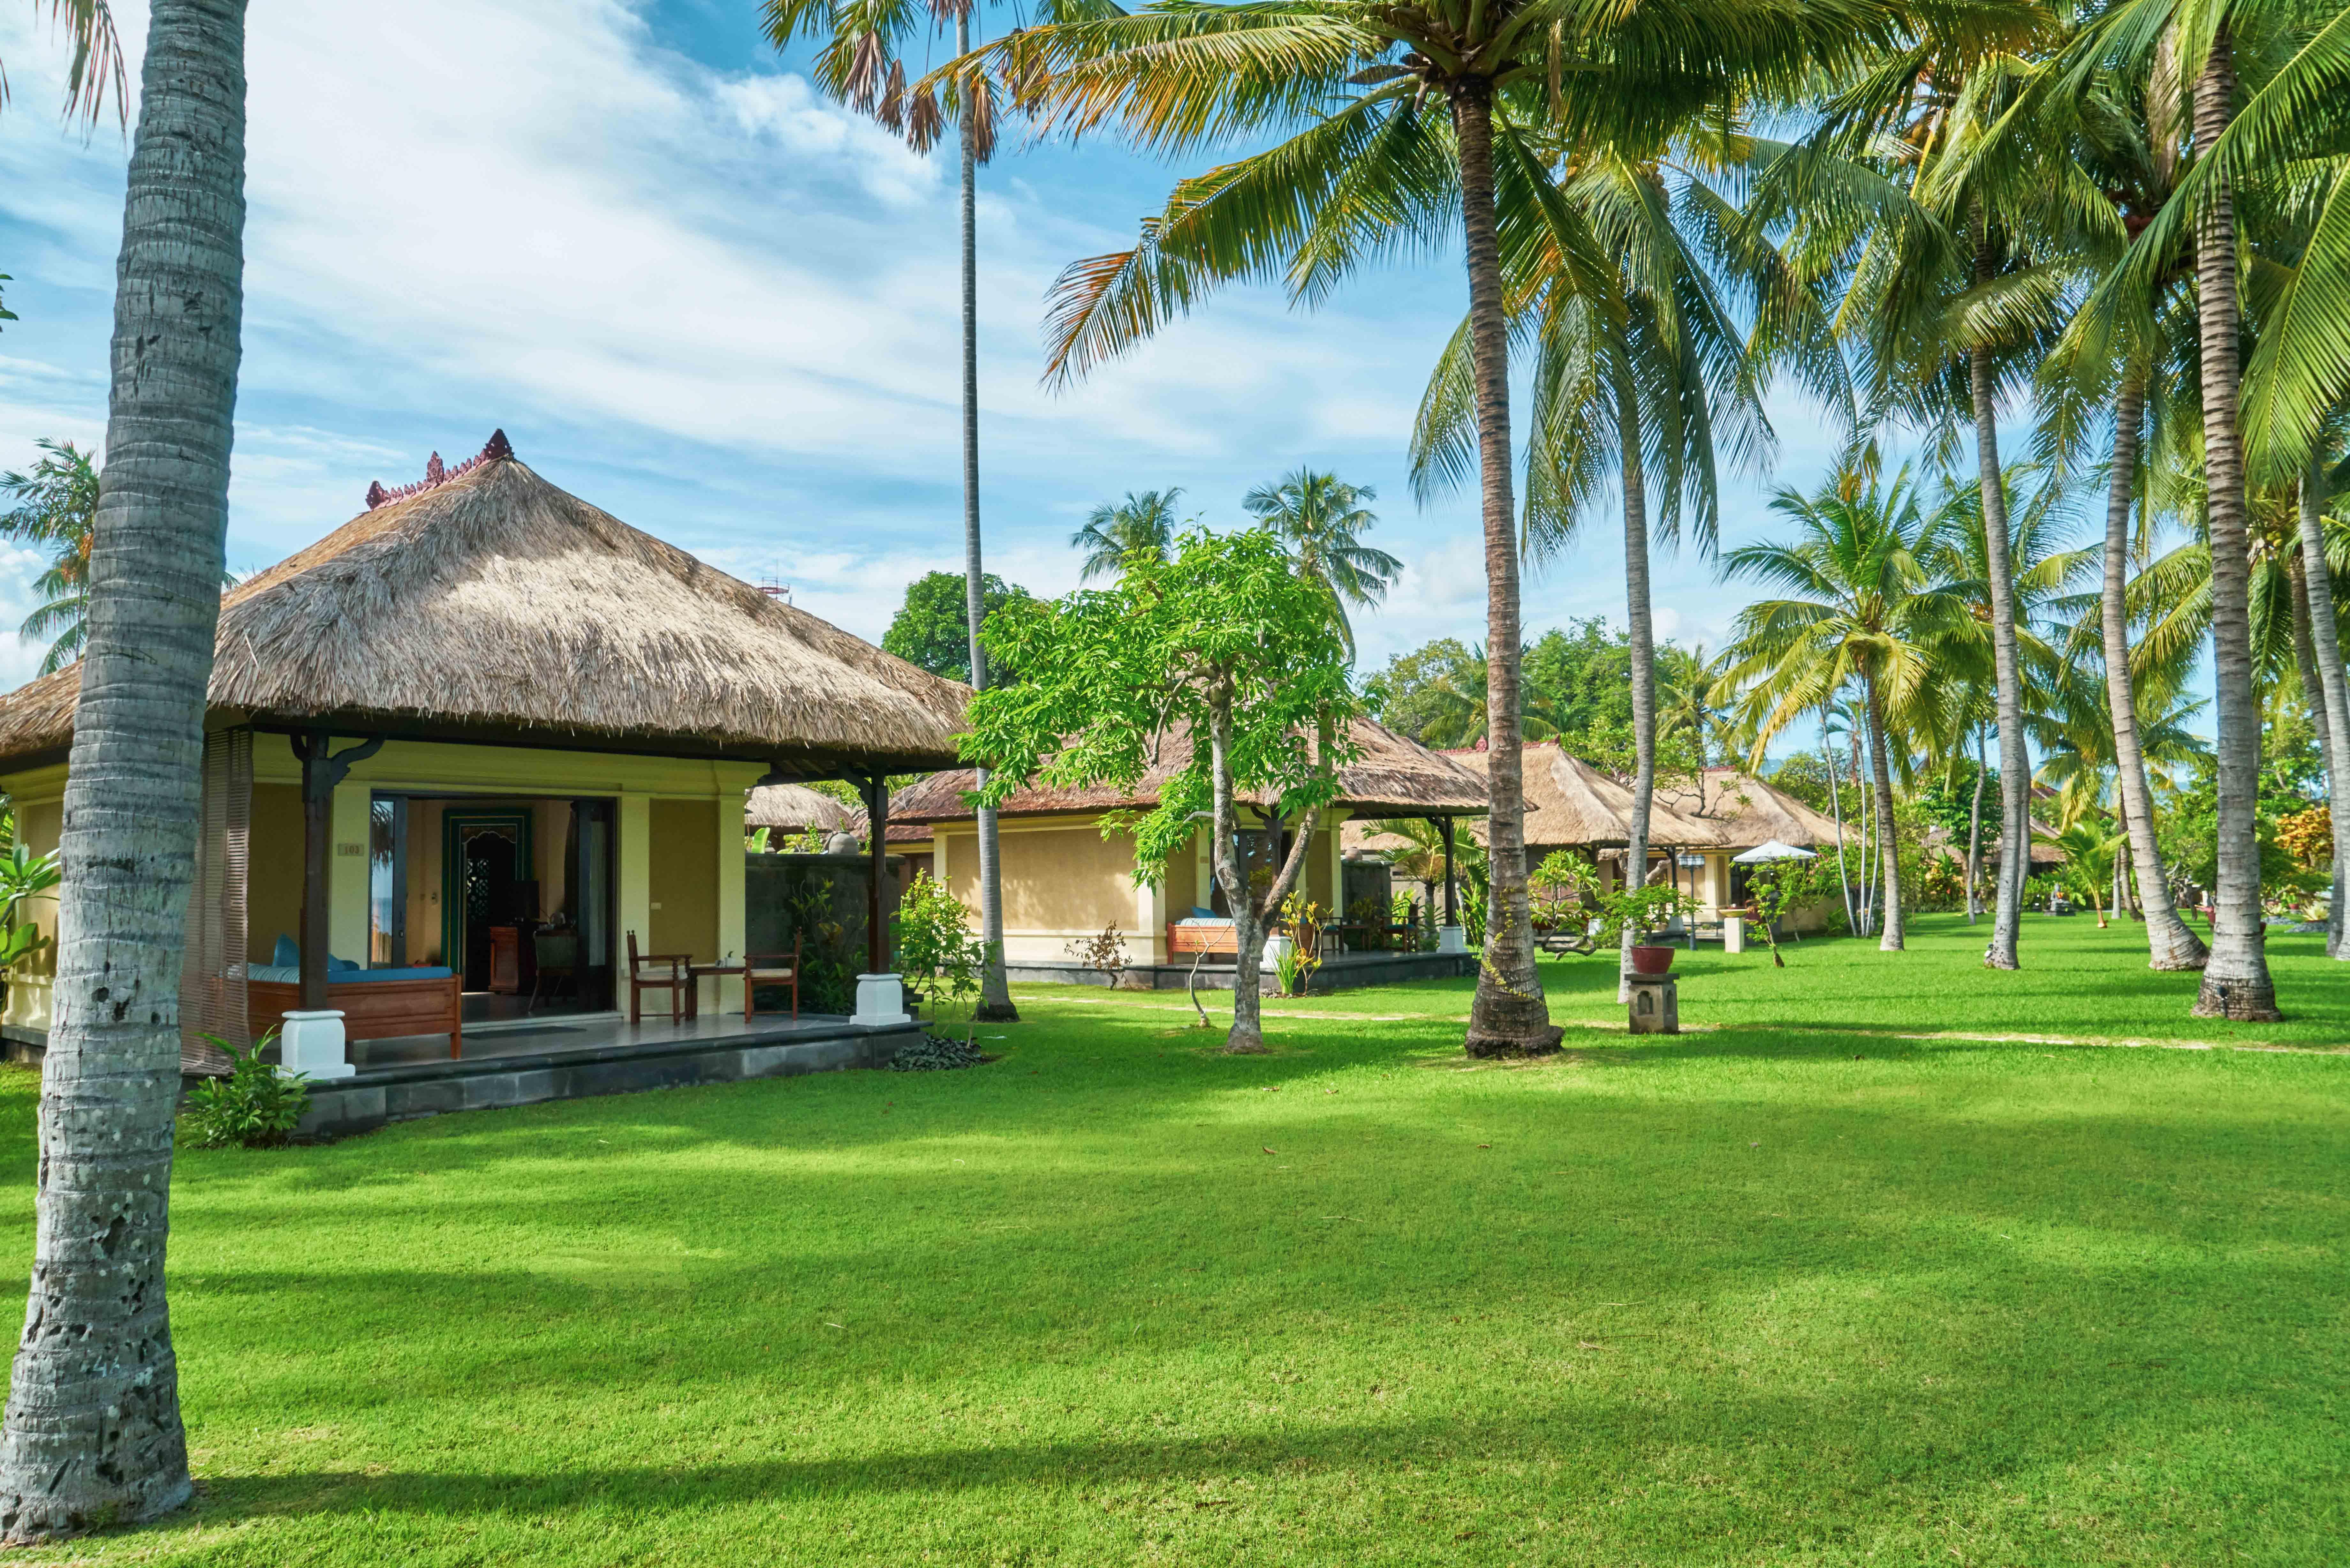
column 321, row 772
column 1451, row 892
column 876, row 821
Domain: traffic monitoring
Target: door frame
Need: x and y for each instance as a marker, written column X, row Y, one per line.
column 454, row 825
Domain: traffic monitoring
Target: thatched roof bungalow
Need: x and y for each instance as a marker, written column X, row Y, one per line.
column 536, row 714
column 1063, row 882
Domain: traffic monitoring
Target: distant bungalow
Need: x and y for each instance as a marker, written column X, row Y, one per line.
column 1065, row 883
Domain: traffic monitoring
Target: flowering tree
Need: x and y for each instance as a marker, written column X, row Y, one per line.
column 1220, row 658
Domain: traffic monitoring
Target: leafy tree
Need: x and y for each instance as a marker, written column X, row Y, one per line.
column 1223, row 645
column 93, row 1431
column 931, row 628
column 1579, row 676
column 1420, row 691
column 1323, row 519
column 1143, row 523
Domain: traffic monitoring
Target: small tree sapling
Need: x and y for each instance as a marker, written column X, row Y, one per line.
column 1220, row 660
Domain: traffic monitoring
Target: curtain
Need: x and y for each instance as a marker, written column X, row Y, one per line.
column 212, row 976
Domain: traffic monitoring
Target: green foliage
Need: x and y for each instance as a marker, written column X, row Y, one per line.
column 1375, row 913
column 1645, row 909
column 1142, row 526
column 1804, row 776
column 23, row 876
column 1222, row 633
column 932, row 627
column 57, row 508
column 1322, row 520
column 255, row 1106
column 1577, row 678
column 1562, row 886
column 936, row 950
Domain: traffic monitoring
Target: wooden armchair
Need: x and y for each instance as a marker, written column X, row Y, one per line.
column 672, row 973
column 772, row 970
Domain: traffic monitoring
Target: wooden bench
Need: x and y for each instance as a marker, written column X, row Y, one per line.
column 1203, row 937
column 372, row 1009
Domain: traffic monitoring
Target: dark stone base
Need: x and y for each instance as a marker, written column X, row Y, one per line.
column 370, row 1098
column 1346, row 972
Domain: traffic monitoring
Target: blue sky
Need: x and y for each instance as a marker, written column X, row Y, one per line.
column 698, row 296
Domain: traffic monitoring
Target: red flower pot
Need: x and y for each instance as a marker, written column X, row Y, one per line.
column 1652, row 960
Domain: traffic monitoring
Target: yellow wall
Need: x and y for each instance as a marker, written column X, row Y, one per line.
column 273, row 885
column 1063, row 881
column 684, row 854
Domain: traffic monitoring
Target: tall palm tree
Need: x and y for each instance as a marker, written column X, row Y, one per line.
column 1955, row 247
column 1365, row 169
column 1324, row 518
column 1858, row 606
column 860, row 61
column 93, row 1432
column 1643, row 384
column 56, row 500
column 1117, row 530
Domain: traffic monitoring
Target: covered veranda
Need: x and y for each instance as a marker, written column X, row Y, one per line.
column 484, row 645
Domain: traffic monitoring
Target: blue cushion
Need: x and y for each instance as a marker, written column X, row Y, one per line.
column 1201, row 912
column 288, row 952
column 337, row 965
column 359, row 976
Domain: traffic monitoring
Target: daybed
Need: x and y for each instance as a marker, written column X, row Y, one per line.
column 376, row 1004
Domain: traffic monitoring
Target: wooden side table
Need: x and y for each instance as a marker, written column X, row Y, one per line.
column 696, row 971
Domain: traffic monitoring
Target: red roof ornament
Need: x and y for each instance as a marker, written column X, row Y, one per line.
column 496, row 450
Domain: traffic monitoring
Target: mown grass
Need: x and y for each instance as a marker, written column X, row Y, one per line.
column 1806, row 1288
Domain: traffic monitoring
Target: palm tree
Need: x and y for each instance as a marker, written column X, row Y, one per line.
column 93, row 1432
column 1954, row 220
column 1640, row 385
column 1116, row 531
column 1365, row 169
column 57, row 498
column 2089, row 847
column 1858, row 607
column 1323, row 518
column 860, row 61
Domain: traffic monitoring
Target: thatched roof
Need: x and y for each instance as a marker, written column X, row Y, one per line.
column 1570, row 804
column 486, row 604
column 795, row 808
column 1750, row 811
column 1392, row 777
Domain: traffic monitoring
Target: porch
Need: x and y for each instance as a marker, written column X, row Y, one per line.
column 575, row 1058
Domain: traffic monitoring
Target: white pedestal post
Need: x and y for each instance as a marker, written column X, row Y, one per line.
column 1733, row 933
column 311, row 1044
column 880, row 999
column 1452, row 940
column 1268, row 961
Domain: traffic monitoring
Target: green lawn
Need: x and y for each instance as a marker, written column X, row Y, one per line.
column 1759, row 1294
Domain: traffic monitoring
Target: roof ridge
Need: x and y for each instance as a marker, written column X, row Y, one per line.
column 496, row 448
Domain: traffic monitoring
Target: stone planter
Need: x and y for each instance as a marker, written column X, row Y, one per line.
column 1652, row 960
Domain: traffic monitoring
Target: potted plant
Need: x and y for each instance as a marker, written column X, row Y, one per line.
column 1644, row 911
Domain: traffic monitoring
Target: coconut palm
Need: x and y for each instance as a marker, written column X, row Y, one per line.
column 2198, row 42
column 1114, row 531
column 2089, row 845
column 1367, row 169
column 57, row 499
column 93, row 1431
column 1323, row 519
column 1954, row 246
column 860, row 61
column 1858, row 606
column 1641, row 385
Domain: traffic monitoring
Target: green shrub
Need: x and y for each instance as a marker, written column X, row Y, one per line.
column 255, row 1106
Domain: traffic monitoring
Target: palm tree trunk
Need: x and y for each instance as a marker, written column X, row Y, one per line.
column 2325, row 639
column 93, row 1434
column 2236, row 982
column 2014, row 773
column 1835, row 803
column 2169, row 944
column 1644, row 661
column 1974, row 829
column 994, row 985
column 1509, row 1016
column 1881, row 774
column 1862, row 745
